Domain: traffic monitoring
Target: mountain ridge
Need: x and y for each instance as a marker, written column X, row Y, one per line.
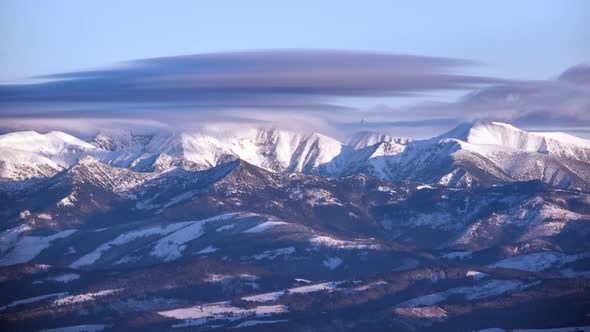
column 480, row 153
column 137, row 236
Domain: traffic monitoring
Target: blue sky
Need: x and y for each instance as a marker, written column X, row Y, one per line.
column 510, row 40
column 515, row 39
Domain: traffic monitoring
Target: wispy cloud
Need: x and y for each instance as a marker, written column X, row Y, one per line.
column 562, row 101
column 313, row 88
column 301, row 79
column 565, row 99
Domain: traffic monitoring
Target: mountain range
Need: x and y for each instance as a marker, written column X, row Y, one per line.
column 485, row 226
column 479, row 154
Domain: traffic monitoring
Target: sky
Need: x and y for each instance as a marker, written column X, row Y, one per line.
column 406, row 67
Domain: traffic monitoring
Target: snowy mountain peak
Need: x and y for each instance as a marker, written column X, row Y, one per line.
column 564, row 138
column 29, row 154
column 367, row 138
column 121, row 140
column 508, row 137
column 498, row 133
column 481, row 152
column 54, row 142
column 87, row 160
column 476, row 132
column 269, row 148
column 281, row 150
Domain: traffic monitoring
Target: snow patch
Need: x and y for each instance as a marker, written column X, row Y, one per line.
column 221, row 310
column 84, row 297
column 536, row 262
column 16, row 250
column 249, row 323
column 272, row 254
column 368, row 286
column 78, row 328
column 432, row 312
column 24, row 214
column 215, row 278
column 68, row 201
column 332, row 262
column 33, row 299
column 328, row 241
column 424, row 186
column 274, row 296
column 264, row 226
column 225, row 228
column 476, row 274
column 169, row 247
column 458, row 255
column 64, row 278
column 45, row 216
column 488, row 289
column 122, row 239
column 207, row 250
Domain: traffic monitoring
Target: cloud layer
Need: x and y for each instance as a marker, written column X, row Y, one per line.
column 264, row 79
column 310, row 87
column 562, row 103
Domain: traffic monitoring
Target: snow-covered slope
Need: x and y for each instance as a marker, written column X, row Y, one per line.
column 478, row 154
column 558, row 159
column 236, row 242
column 367, row 138
column 272, row 149
column 30, row 154
column 52, row 144
column 115, row 179
column 287, row 151
column 482, row 153
column 511, row 138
